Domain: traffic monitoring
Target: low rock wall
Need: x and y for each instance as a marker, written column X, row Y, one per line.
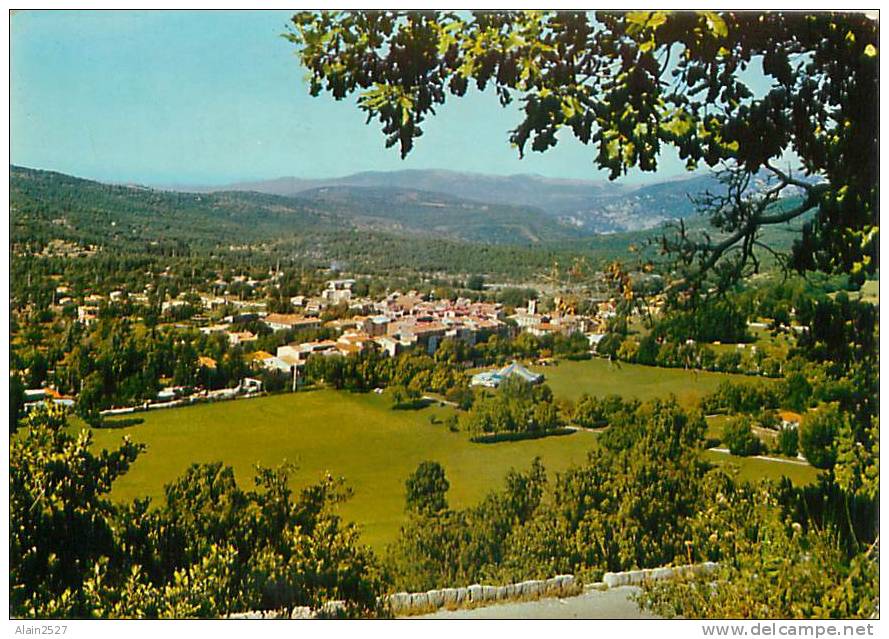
column 638, row 577
column 403, row 604
column 415, row 603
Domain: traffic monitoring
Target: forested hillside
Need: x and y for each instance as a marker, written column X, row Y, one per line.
column 46, row 205
column 374, row 230
column 425, row 212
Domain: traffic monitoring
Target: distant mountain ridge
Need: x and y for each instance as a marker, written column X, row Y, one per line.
column 378, row 227
column 372, row 229
column 588, row 206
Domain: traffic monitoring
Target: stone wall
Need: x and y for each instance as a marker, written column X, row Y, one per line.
column 415, row 603
column 331, row 609
column 404, row 604
column 637, row 577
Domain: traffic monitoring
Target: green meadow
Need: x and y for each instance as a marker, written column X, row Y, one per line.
column 601, row 377
column 753, row 469
column 360, row 438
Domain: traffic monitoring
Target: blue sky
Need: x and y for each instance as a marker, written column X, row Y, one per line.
column 200, row 97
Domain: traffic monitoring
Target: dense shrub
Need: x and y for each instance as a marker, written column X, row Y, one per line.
column 796, row 391
column 426, row 489
column 737, row 435
column 817, row 438
column 718, row 320
column 515, row 407
column 734, row 397
column 596, row 412
column 609, row 345
column 209, row 548
column 788, row 442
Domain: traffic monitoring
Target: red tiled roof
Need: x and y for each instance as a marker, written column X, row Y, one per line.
column 292, row 320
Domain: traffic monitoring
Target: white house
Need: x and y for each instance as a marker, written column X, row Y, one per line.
column 594, row 339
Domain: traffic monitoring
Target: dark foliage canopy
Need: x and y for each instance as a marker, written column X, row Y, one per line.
column 630, row 84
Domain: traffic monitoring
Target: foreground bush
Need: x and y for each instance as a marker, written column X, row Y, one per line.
column 817, row 438
column 626, row 507
column 209, row 549
column 777, row 568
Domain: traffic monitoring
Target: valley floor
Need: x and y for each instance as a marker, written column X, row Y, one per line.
column 360, row 438
column 356, row 436
column 600, row 377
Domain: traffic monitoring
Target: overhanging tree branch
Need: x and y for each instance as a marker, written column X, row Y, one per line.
column 743, row 213
column 602, row 79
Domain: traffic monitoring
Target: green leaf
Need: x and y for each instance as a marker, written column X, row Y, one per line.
column 716, row 24
column 657, row 19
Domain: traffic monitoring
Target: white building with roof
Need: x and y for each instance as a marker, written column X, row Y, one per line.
column 493, row 379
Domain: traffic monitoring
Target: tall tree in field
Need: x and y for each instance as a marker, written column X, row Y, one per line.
column 426, row 489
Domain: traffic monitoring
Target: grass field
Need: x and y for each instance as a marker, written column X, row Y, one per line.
column 355, row 436
column 601, row 377
column 715, row 424
column 751, row 469
column 375, row 448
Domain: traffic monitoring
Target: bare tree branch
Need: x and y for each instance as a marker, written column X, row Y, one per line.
column 742, row 212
